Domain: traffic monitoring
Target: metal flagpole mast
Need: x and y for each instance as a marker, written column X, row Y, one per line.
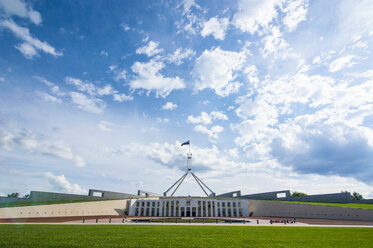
column 189, row 171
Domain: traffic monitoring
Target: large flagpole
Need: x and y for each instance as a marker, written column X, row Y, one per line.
column 189, row 171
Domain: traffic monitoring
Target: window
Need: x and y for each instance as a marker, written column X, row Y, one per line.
column 188, row 202
column 281, row 195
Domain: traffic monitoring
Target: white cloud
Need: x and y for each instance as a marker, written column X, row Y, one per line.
column 105, row 126
column 213, row 133
column 61, row 184
column 342, row 62
column 106, row 90
column 150, row 49
column 82, row 86
column 179, row 56
column 163, row 120
column 48, row 98
column 215, row 69
column 54, row 88
column 26, row 140
column 89, row 104
column 27, row 50
column 252, row 15
column 169, row 106
column 122, row 97
column 149, row 78
column 121, row 75
column 274, row 42
column 125, row 27
column 216, row 27
column 2, row 79
column 31, row 45
column 206, row 118
column 295, row 13
column 365, row 74
column 172, row 155
column 21, row 9
column 316, row 60
column 79, row 161
column 188, row 4
column 252, row 74
column 104, row 53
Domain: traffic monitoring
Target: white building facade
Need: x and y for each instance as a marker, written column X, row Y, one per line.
column 188, row 207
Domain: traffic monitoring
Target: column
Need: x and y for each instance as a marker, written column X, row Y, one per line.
column 206, row 208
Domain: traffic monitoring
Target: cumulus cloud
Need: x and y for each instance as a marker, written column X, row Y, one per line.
column 173, row 156
column 255, row 14
column 106, row 90
column 215, row 69
column 105, row 126
column 274, row 42
column 179, row 56
column 295, row 13
column 92, row 103
column 149, row 78
column 342, row 62
column 216, row 27
column 104, row 53
column 28, row 141
column 31, row 45
column 169, row 106
column 327, row 150
column 150, row 49
column 86, row 103
column 87, row 87
column 48, row 98
column 122, row 97
column 21, row 9
column 213, row 132
column 309, row 123
column 61, row 184
column 206, row 118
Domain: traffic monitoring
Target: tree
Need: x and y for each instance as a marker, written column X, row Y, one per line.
column 357, row 196
column 295, row 193
column 13, row 195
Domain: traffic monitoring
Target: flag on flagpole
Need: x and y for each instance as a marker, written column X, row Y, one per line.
column 186, row 143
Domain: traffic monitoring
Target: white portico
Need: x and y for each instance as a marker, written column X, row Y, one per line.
column 188, row 207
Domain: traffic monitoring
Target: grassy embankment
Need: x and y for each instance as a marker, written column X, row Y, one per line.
column 181, row 236
column 342, row 205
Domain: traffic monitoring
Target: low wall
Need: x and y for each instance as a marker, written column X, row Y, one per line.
column 112, row 207
column 293, row 210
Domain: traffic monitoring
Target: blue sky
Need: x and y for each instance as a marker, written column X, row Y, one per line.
column 273, row 94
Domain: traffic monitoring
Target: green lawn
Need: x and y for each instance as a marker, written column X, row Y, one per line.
column 342, row 205
column 181, row 236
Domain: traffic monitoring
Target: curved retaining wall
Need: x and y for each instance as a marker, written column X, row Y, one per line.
column 112, row 207
column 293, row 210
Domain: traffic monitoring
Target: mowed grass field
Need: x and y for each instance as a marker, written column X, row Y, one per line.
column 181, row 236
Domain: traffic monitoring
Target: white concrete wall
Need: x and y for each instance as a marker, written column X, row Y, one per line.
column 280, row 209
column 112, row 207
